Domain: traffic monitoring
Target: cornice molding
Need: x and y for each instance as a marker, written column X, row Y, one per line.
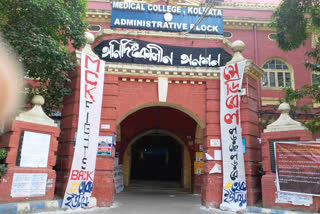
column 163, row 34
column 196, row 3
column 253, row 70
column 245, row 22
column 246, row 6
column 164, row 71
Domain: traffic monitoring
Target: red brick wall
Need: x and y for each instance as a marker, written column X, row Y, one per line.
column 203, row 100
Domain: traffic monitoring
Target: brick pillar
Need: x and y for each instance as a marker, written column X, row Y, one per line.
column 34, row 121
column 250, row 131
column 103, row 188
column 69, row 123
column 283, row 129
column 213, row 183
column 268, row 180
column 211, row 191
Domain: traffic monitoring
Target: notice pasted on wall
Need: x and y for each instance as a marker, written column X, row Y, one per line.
column 28, row 184
column 297, row 167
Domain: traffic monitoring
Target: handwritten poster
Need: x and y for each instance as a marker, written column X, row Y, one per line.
column 234, row 195
column 80, row 182
column 35, row 149
column 28, row 184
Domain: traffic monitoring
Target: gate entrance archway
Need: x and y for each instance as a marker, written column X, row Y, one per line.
column 156, row 144
column 182, row 100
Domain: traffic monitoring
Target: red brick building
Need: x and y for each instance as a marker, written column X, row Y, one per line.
column 147, row 105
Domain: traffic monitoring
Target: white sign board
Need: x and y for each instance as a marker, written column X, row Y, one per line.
column 28, row 184
column 35, row 149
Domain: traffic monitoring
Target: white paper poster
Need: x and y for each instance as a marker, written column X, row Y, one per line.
column 294, row 198
column 80, row 183
column 35, row 149
column 118, row 178
column 28, row 184
column 209, row 157
column 234, row 195
column 214, row 142
column 215, row 169
column 217, row 154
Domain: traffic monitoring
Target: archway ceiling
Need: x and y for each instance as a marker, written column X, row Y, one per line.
column 166, row 118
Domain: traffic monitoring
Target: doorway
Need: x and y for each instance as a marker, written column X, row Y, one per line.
column 156, row 157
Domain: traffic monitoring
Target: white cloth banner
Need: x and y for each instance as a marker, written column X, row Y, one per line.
column 234, row 195
column 81, row 176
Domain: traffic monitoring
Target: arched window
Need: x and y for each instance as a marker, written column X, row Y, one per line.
column 277, row 75
column 94, row 28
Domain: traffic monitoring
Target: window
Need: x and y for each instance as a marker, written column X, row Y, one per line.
column 210, row 1
column 272, row 155
column 94, row 28
column 272, row 36
column 227, row 34
column 277, row 75
column 315, row 79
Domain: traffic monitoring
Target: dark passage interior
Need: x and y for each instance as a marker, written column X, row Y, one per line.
column 156, row 157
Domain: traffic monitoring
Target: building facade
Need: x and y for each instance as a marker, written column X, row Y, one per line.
column 162, row 116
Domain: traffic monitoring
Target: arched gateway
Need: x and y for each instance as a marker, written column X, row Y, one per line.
column 173, row 109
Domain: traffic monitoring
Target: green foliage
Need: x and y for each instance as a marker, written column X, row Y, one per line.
column 42, row 32
column 294, row 20
column 3, row 154
column 3, row 167
column 311, row 121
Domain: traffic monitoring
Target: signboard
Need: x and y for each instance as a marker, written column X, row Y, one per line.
column 28, row 184
column 244, row 146
column 297, row 167
column 143, row 52
column 166, row 18
column 35, row 149
column 199, row 156
column 234, row 196
column 80, row 183
column 198, row 168
column 105, row 143
column 118, row 178
column 214, row 142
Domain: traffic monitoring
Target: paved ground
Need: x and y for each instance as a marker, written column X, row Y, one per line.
column 152, row 200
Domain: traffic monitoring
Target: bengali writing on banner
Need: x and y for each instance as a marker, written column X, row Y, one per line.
column 234, row 195
column 297, row 167
column 80, row 183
